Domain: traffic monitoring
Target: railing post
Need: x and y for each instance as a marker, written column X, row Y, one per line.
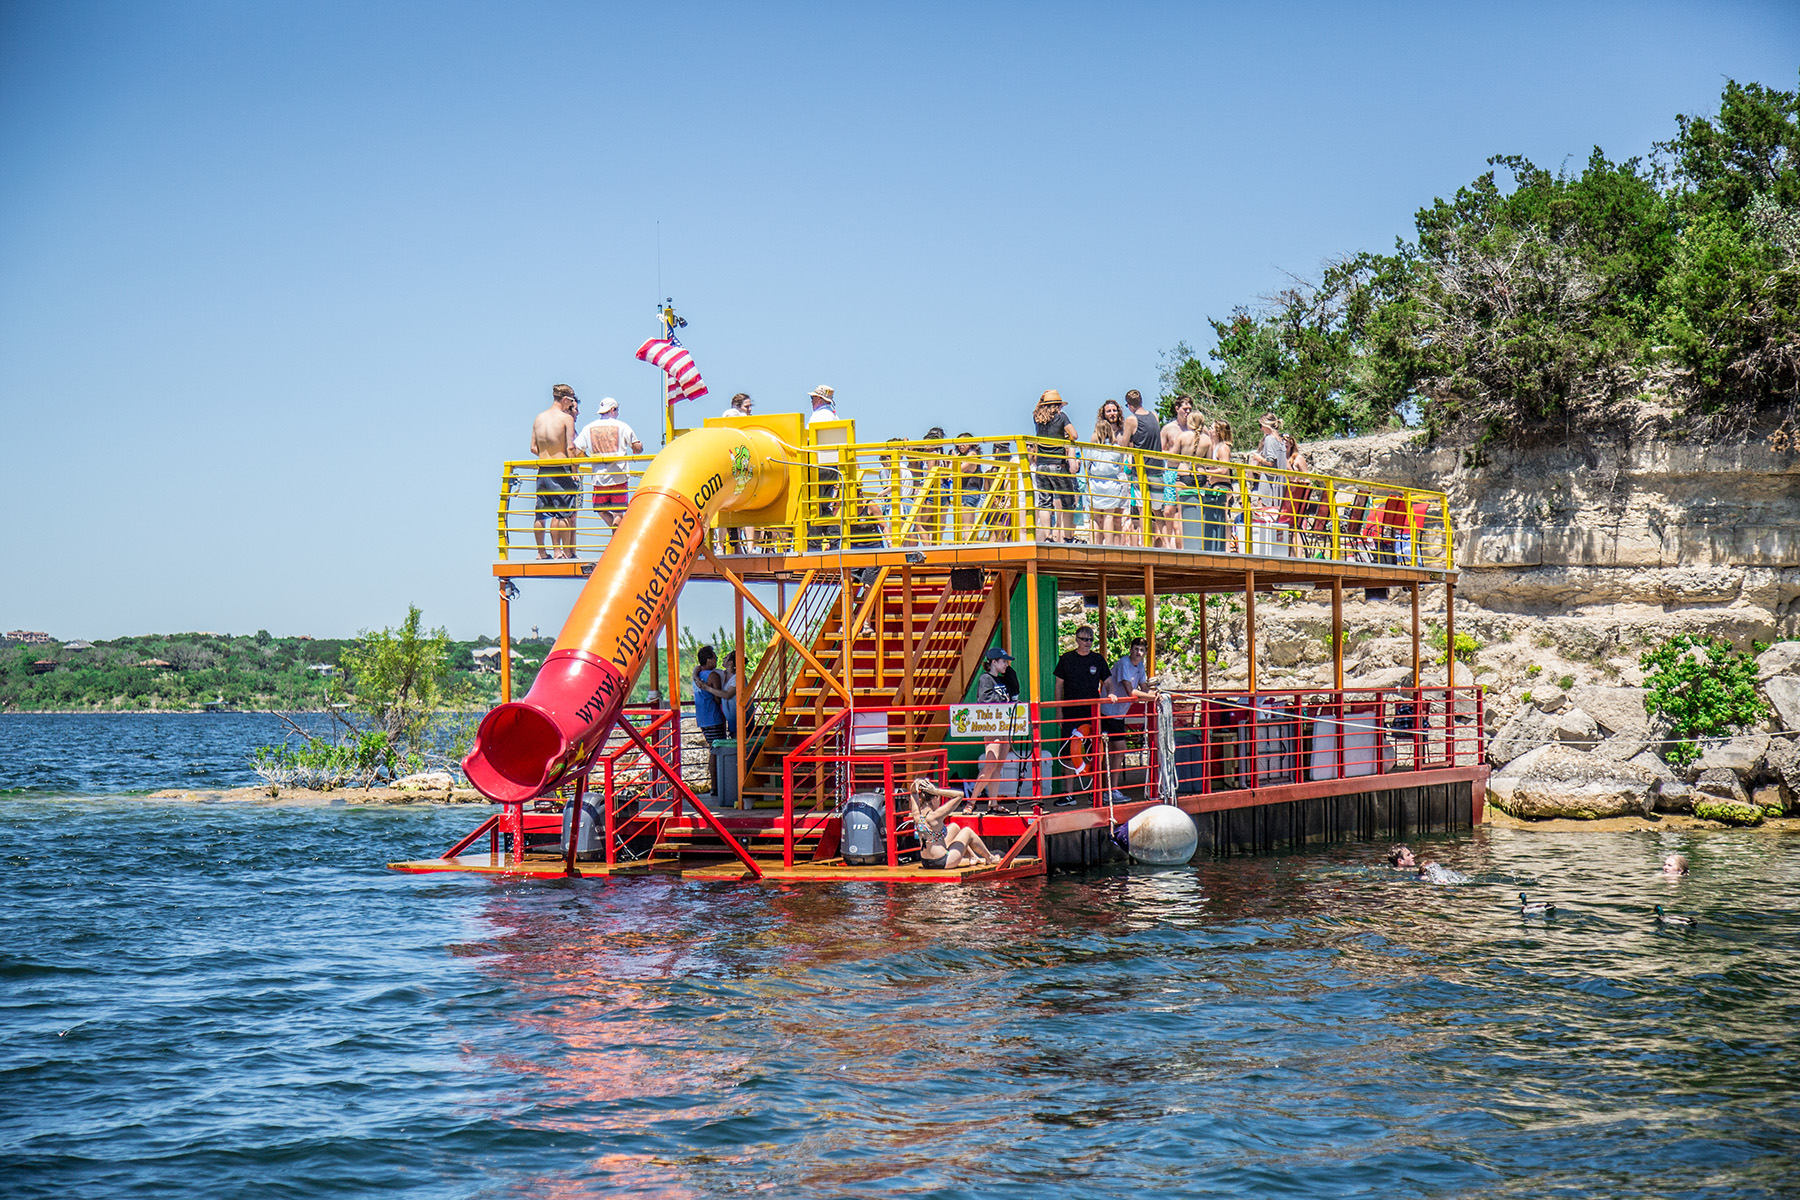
column 612, row 830
column 787, row 812
column 1249, row 543
column 891, row 806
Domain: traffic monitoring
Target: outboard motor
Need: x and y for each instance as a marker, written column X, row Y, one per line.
column 591, row 846
column 865, row 830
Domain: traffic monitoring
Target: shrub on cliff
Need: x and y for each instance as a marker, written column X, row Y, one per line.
column 1703, row 687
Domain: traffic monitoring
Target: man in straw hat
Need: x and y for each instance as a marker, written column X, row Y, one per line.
column 1054, row 468
column 825, row 485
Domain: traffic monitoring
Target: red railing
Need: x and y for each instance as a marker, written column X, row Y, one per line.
column 1073, row 750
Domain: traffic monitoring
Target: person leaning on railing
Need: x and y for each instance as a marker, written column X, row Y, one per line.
column 971, row 484
column 1216, row 529
column 1054, row 469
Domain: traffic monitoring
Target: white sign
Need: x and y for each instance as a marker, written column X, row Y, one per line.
column 990, row 720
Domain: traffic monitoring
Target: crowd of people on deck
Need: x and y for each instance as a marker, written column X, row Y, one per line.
column 1131, row 479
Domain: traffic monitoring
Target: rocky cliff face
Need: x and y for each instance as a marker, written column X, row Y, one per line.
column 1575, row 557
column 1612, row 537
column 1573, row 560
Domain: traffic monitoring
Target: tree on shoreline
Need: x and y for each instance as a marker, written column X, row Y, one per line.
column 1532, row 300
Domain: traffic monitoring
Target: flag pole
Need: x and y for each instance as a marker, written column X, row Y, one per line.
column 666, row 318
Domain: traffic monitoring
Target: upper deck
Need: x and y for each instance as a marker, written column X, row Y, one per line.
column 1199, row 524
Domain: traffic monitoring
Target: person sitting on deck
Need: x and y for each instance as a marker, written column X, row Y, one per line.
column 944, row 846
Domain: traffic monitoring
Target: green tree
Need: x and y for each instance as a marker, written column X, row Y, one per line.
column 398, row 679
column 1704, row 688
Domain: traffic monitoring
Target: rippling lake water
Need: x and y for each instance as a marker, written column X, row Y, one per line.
column 240, row 1001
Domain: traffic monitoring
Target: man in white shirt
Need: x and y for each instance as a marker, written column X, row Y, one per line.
column 826, row 484
column 1127, row 684
column 609, row 437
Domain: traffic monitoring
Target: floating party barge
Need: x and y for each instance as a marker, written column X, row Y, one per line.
column 894, row 567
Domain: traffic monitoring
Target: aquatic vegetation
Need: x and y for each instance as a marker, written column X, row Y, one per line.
column 1729, row 812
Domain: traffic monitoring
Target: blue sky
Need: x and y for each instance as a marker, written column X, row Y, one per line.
column 282, row 284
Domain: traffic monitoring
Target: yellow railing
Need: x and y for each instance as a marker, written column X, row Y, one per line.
column 1008, row 491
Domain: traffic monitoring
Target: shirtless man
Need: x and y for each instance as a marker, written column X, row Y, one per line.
column 558, row 488
column 1177, row 438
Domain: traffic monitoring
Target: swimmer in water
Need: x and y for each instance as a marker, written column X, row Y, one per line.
column 1675, row 864
column 1400, row 858
column 1432, row 872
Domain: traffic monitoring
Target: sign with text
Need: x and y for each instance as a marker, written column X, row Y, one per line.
column 990, row 720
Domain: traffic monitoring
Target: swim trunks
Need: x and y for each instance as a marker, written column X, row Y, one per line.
column 558, row 492
column 610, row 498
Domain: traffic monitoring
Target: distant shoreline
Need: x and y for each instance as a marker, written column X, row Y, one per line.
column 159, row 712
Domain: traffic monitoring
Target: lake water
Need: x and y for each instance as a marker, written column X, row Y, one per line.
column 240, row 1001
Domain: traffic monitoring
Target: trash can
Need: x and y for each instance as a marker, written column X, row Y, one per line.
column 724, row 767
column 865, row 830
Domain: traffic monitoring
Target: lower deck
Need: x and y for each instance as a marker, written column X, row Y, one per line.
column 1030, row 840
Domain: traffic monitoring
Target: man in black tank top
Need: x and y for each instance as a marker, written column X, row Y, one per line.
column 1147, row 436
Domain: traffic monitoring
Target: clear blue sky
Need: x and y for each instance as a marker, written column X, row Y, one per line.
column 281, row 284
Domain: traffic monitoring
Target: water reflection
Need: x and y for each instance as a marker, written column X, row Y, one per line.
column 1300, row 1022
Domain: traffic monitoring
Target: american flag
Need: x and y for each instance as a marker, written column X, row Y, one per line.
column 675, row 362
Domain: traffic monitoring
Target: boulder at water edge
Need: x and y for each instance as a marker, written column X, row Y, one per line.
column 1558, row 781
column 1742, row 756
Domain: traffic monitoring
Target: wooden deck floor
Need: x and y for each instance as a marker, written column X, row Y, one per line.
column 830, row 871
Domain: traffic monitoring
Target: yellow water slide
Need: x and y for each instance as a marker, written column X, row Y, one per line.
column 528, row 746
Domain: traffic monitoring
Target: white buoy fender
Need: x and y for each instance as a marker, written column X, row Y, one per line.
column 1162, row 836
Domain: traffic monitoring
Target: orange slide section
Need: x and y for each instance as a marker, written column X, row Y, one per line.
column 526, row 747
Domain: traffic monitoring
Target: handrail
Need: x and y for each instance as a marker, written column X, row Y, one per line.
column 913, row 492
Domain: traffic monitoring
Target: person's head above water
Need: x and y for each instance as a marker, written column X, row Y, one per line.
column 1675, row 864
column 1400, row 856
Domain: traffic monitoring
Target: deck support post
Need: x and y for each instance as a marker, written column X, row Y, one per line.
column 737, row 695
column 1418, row 679
column 1105, row 646
column 505, row 646
column 1205, row 655
column 672, row 634
column 911, row 650
column 1036, row 685
column 1250, row 779
column 1149, row 621
column 1337, row 633
column 1250, row 626
column 1449, row 635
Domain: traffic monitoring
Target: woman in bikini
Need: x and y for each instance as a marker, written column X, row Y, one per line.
column 942, row 846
